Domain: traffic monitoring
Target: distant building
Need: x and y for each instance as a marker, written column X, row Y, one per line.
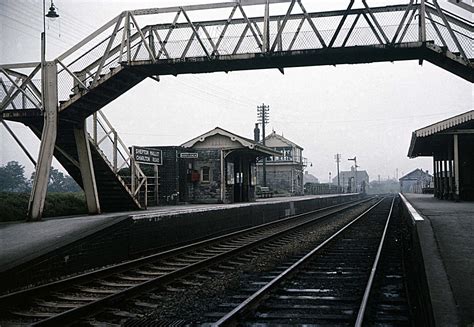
column 308, row 178
column 415, row 181
column 347, row 180
column 284, row 172
column 215, row 167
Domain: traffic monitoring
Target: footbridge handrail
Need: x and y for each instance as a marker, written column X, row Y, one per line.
column 174, row 34
column 118, row 156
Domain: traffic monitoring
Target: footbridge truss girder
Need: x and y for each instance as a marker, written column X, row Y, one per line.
column 235, row 35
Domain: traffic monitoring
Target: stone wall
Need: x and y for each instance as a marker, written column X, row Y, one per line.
column 208, row 192
column 279, row 178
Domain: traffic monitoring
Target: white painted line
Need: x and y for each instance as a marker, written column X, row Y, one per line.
column 414, row 214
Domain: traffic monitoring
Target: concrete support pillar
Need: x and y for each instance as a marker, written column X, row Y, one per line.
column 443, row 179
column 157, row 182
column 439, row 186
column 456, row 167
column 438, row 175
column 451, row 177
column 446, row 179
column 48, row 140
column 422, row 22
column 87, row 169
column 223, row 176
column 435, row 181
column 266, row 31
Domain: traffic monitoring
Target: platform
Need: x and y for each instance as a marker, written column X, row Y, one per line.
column 445, row 231
column 71, row 244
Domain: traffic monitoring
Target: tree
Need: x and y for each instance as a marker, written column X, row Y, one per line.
column 56, row 181
column 60, row 183
column 70, row 185
column 12, row 178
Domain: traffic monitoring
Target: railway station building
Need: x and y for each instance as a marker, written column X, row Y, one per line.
column 416, row 181
column 284, row 172
column 352, row 180
column 215, row 167
column 450, row 142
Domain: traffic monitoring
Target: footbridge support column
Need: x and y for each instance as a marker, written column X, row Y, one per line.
column 87, row 169
column 48, row 140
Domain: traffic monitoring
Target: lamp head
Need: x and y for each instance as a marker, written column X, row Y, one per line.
column 52, row 11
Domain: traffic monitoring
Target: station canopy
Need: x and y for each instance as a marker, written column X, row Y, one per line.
column 430, row 139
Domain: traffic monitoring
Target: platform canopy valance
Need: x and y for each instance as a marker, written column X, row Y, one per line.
column 430, row 139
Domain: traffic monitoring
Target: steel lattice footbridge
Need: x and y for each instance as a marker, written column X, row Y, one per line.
column 55, row 99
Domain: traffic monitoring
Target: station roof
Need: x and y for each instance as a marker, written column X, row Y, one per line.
column 416, row 174
column 425, row 141
column 282, row 139
column 241, row 141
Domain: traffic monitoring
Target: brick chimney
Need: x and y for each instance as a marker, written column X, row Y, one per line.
column 256, row 133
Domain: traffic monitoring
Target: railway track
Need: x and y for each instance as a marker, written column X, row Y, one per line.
column 69, row 300
column 331, row 285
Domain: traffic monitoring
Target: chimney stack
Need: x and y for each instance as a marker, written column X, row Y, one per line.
column 256, row 133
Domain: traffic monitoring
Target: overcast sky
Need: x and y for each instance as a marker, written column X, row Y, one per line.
column 368, row 110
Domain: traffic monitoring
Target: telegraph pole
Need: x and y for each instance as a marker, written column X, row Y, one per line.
column 338, row 160
column 263, row 117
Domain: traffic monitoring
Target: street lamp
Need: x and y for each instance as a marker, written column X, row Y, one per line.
column 49, row 106
column 52, row 11
column 51, row 14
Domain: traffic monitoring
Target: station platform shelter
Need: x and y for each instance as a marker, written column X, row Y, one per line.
column 450, row 142
column 215, row 167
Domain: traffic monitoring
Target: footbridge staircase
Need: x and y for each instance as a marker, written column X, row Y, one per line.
column 60, row 100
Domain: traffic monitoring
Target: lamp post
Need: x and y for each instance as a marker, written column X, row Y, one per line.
column 51, row 14
column 49, row 99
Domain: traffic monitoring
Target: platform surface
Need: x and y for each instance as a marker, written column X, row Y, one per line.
column 447, row 241
column 23, row 241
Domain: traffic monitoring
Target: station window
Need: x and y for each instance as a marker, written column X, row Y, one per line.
column 205, row 174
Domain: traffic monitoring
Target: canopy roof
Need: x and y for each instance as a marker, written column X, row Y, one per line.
column 427, row 140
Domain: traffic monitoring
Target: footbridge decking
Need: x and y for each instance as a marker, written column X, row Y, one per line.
column 55, row 98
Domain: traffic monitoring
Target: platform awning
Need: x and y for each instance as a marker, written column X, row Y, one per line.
column 426, row 141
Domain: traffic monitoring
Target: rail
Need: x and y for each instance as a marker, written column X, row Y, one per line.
column 223, row 247
column 365, row 299
column 254, row 300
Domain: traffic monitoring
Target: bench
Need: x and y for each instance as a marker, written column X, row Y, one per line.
column 264, row 192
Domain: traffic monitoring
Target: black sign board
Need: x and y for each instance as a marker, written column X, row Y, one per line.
column 147, row 156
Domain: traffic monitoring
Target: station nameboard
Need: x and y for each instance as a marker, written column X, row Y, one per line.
column 147, row 156
column 188, row 155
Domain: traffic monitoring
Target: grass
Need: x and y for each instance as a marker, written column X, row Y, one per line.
column 14, row 206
